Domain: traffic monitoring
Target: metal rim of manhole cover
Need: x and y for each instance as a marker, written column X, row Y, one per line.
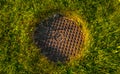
column 59, row 38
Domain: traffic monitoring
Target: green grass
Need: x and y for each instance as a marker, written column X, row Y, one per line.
column 19, row 55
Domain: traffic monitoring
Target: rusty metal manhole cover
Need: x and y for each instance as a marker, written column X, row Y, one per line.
column 59, row 38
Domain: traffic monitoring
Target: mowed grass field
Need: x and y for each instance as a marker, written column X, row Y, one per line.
column 19, row 54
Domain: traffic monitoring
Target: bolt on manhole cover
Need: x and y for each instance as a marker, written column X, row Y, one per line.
column 59, row 38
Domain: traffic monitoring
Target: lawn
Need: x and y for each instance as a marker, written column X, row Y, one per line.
column 19, row 54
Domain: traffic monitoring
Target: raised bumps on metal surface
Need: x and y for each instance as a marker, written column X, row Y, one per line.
column 59, row 38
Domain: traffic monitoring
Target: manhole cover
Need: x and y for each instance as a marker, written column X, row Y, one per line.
column 59, row 38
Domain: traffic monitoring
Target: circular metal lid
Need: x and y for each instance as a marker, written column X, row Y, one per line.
column 59, row 38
